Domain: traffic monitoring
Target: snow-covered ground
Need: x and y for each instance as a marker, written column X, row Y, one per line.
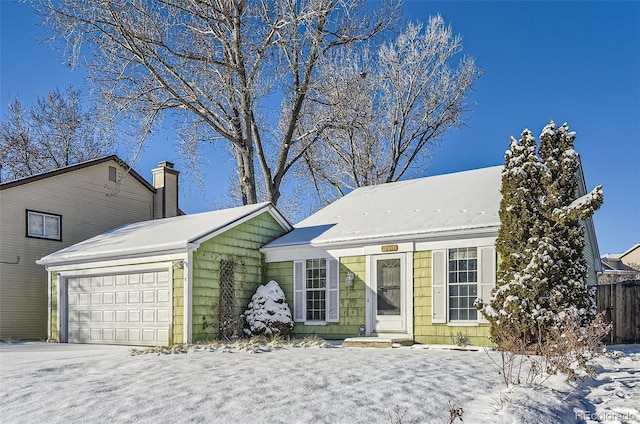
column 60, row 383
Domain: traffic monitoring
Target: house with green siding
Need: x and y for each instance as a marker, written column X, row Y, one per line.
column 161, row 282
column 399, row 262
column 403, row 261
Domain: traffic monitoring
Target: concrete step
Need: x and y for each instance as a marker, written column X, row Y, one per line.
column 380, row 341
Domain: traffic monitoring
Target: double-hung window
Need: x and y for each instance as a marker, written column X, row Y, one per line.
column 463, row 284
column 460, row 277
column 316, row 291
column 44, row 225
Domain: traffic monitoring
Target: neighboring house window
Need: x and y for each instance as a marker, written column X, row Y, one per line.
column 316, row 290
column 463, row 284
column 44, row 225
column 112, row 174
column 460, row 277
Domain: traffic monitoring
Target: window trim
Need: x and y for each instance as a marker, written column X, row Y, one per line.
column 44, row 215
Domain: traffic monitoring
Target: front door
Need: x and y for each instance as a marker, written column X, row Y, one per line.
column 389, row 301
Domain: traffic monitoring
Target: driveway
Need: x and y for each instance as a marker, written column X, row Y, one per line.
column 16, row 353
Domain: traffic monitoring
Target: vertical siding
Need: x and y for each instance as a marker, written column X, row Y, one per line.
column 177, row 332
column 89, row 203
column 240, row 245
column 424, row 330
column 352, row 299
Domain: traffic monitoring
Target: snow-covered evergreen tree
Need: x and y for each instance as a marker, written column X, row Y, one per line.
column 542, row 272
column 511, row 307
column 268, row 313
column 566, row 268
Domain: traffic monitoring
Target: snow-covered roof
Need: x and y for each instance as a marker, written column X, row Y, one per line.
column 160, row 236
column 467, row 200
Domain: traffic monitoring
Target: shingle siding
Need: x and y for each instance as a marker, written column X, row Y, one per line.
column 352, row 298
column 241, row 245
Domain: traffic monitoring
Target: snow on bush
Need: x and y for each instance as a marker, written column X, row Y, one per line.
column 268, row 313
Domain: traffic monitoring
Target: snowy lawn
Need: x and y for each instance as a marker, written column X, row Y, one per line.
column 60, row 383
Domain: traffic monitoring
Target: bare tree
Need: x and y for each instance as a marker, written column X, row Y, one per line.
column 216, row 66
column 388, row 108
column 54, row 132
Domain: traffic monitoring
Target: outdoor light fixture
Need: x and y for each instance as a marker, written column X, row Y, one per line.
column 348, row 279
column 179, row 264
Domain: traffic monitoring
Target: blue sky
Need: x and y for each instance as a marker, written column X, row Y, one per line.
column 576, row 62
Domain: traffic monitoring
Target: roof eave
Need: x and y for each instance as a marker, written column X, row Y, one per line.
column 130, row 255
column 416, row 236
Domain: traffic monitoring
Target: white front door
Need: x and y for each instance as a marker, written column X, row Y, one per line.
column 389, row 293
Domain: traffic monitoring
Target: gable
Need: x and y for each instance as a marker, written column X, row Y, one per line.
column 113, row 159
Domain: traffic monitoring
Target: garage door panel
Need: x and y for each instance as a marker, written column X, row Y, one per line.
column 134, row 296
column 107, row 334
column 121, row 297
column 149, row 315
column 108, row 298
column 121, row 316
column 134, row 315
column 109, row 309
column 163, row 296
column 163, row 315
column 135, row 335
column 148, row 296
column 107, row 316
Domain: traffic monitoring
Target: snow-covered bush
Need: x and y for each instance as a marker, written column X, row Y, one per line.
column 268, row 313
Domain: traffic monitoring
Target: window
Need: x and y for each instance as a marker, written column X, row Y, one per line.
column 460, row 276
column 44, row 225
column 316, row 290
column 463, row 284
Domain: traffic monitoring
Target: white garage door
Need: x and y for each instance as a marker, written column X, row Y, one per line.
column 131, row 309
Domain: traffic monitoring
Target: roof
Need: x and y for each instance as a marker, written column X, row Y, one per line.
column 629, row 250
column 468, row 200
column 160, row 236
column 71, row 168
column 621, row 255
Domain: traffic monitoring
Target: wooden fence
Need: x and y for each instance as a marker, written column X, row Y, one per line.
column 621, row 303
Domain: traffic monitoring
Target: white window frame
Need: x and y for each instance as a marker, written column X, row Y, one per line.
column 458, row 284
column 44, row 216
column 486, row 278
column 332, row 289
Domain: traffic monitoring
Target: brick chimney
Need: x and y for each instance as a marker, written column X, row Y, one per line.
column 165, row 181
